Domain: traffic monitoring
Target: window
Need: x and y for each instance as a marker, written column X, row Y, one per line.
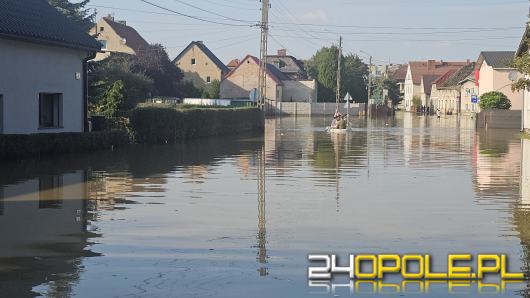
column 193, row 62
column 101, row 29
column 103, row 44
column 208, row 79
column 50, row 110
column 1, row 114
column 50, row 192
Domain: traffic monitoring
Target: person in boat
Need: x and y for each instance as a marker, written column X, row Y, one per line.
column 342, row 124
column 336, row 118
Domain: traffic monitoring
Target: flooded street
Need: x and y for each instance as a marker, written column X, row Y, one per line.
column 237, row 216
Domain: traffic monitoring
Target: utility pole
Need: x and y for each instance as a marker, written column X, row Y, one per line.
column 339, row 59
column 262, row 81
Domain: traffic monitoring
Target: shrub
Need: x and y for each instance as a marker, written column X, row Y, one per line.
column 161, row 125
column 416, row 101
column 495, row 100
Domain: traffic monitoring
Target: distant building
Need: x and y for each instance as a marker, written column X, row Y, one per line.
column 44, row 55
column 288, row 65
column 413, row 81
column 453, row 93
column 242, row 80
column 199, row 65
column 117, row 37
column 496, row 74
column 523, row 49
column 233, row 64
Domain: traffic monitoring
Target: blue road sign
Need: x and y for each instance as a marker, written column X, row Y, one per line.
column 474, row 99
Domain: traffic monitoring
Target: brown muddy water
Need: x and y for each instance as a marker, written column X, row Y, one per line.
column 237, row 216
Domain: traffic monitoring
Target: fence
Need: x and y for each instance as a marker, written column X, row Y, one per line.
column 274, row 108
column 499, row 119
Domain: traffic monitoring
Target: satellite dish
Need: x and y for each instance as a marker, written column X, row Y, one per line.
column 513, row 75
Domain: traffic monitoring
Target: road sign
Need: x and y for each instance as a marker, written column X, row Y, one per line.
column 474, row 99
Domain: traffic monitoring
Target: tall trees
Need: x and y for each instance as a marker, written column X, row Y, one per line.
column 76, row 12
column 323, row 67
column 155, row 63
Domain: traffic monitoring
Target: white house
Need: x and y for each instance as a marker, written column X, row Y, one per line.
column 43, row 82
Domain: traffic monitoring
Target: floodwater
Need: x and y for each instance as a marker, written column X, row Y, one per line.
column 237, row 216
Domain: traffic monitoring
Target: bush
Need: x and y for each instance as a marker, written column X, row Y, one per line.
column 416, row 101
column 161, row 125
column 495, row 100
column 35, row 145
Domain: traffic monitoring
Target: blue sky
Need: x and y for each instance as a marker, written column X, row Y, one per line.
column 390, row 30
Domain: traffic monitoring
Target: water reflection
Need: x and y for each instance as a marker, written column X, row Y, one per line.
column 237, row 216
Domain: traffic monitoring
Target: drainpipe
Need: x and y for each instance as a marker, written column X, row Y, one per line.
column 91, row 56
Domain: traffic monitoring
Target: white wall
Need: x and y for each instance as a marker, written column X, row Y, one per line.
column 27, row 70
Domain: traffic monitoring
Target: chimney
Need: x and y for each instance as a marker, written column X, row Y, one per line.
column 282, row 52
column 123, row 22
column 110, row 17
column 431, row 64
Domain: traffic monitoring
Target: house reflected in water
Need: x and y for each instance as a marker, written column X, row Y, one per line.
column 43, row 223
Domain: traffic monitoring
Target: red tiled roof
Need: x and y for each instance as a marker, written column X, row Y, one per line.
column 132, row 38
column 439, row 68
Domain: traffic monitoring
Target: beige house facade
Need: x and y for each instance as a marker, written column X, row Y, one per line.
column 524, row 48
column 243, row 79
column 116, row 37
column 496, row 75
column 199, row 65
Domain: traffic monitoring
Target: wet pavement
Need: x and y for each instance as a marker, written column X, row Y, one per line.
column 237, row 216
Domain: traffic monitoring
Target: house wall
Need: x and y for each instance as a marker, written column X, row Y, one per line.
column 114, row 41
column 467, row 90
column 299, row 91
column 498, row 80
column 203, row 67
column 526, row 111
column 244, row 79
column 411, row 90
column 33, row 69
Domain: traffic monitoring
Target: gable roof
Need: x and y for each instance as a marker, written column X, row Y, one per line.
column 438, row 68
column 400, row 74
column 207, row 52
column 133, row 39
column 274, row 73
column 37, row 21
column 496, row 59
column 459, row 76
column 292, row 65
column 233, row 63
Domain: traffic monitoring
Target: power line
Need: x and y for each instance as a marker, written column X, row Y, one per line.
column 214, row 13
column 194, row 17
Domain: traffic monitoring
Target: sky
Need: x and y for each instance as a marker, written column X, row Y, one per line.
column 391, row 31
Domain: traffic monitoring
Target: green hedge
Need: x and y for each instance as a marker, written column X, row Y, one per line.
column 35, row 145
column 161, row 125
